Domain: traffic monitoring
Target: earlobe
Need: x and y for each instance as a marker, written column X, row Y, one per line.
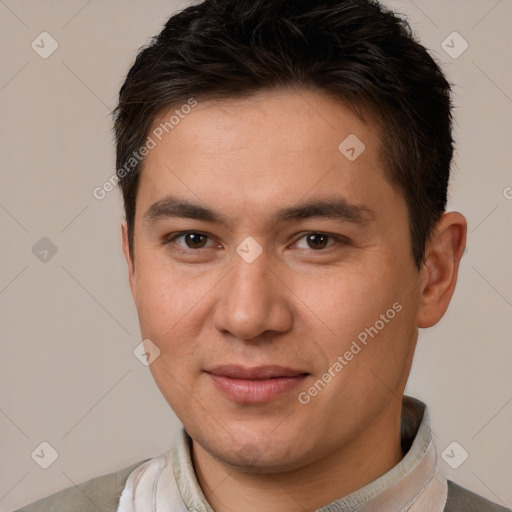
column 440, row 268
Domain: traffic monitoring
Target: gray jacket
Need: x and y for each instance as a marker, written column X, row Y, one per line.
column 101, row 494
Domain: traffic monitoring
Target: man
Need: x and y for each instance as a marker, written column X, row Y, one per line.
column 284, row 166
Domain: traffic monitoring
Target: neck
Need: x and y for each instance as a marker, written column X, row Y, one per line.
column 348, row 468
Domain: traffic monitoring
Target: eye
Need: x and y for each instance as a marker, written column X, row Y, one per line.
column 191, row 240
column 318, row 241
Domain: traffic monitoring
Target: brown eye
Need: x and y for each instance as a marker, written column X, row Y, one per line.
column 189, row 240
column 317, row 240
column 195, row 240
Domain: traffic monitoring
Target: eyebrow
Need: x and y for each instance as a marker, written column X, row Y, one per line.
column 336, row 208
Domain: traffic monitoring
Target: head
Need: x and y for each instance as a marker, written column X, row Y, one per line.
column 284, row 167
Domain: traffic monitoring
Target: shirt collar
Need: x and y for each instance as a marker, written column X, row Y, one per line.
column 414, row 479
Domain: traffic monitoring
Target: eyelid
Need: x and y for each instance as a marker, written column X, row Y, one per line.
column 339, row 240
column 173, row 236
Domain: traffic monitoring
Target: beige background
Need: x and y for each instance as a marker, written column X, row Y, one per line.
column 68, row 375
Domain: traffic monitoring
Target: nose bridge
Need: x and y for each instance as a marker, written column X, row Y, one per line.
column 251, row 302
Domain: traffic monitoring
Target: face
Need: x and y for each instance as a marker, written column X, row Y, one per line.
column 273, row 271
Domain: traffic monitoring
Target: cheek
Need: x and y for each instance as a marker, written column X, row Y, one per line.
column 370, row 318
column 168, row 304
column 169, row 315
column 351, row 299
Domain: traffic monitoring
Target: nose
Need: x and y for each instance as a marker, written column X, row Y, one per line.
column 253, row 301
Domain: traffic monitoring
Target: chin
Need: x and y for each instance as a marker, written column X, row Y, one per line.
column 250, row 459
column 253, row 451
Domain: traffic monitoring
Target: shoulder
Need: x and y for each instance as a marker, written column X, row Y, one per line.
column 462, row 500
column 100, row 493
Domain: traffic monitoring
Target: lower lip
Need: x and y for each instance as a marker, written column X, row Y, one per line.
column 253, row 390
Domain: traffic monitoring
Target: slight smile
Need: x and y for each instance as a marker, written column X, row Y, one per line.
column 255, row 385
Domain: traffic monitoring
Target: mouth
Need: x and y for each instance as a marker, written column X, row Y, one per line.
column 257, row 384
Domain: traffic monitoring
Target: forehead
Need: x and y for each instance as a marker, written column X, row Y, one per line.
column 270, row 149
column 298, row 120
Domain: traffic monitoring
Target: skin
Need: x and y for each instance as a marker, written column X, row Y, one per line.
column 298, row 305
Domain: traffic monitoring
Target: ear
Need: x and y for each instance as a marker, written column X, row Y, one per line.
column 440, row 268
column 128, row 258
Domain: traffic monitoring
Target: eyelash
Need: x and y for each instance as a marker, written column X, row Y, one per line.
column 170, row 239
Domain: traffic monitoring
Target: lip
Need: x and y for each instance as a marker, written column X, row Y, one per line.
column 257, row 384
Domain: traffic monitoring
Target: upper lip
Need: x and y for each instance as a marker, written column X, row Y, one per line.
column 255, row 372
